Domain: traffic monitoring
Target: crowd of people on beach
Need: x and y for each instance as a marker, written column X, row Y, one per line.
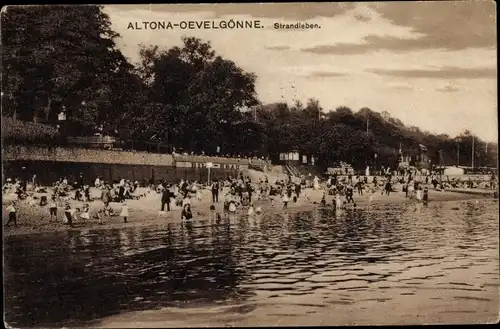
column 235, row 194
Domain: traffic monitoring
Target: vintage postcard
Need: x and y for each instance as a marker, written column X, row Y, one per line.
column 260, row 164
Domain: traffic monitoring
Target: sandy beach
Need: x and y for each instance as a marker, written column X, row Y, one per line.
column 33, row 219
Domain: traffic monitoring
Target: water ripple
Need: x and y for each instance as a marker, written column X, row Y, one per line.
column 311, row 261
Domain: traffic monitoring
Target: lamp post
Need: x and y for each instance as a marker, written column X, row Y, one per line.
column 458, row 140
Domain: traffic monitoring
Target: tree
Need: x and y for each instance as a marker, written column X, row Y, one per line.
column 199, row 88
column 58, row 55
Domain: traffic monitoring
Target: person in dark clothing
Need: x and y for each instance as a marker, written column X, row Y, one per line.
column 80, row 181
column 121, row 193
column 349, row 194
column 78, row 195
column 388, row 187
column 359, row 185
column 166, row 198
column 68, row 212
column 426, row 195
column 184, row 188
column 215, row 191
column 249, row 191
column 239, row 190
column 86, row 192
column 11, row 209
column 297, row 189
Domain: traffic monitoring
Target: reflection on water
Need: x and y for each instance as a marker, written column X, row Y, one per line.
column 72, row 277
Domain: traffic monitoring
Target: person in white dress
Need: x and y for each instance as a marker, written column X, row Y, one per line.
column 410, row 189
column 285, row 200
column 124, row 212
column 251, row 211
column 232, row 206
column 316, row 183
column 197, row 190
column 338, row 201
column 419, row 194
column 85, row 214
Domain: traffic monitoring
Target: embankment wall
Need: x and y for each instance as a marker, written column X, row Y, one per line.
column 50, row 164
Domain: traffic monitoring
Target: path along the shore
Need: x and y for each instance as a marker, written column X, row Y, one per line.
column 33, row 219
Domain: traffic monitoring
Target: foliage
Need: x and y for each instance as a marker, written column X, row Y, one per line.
column 59, row 55
column 187, row 97
column 194, row 99
column 16, row 131
column 342, row 135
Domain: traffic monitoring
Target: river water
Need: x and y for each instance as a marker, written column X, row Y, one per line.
column 391, row 264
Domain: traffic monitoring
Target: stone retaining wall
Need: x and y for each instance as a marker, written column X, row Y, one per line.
column 50, row 164
column 81, row 155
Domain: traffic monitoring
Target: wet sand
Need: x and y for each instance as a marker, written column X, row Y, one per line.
column 145, row 211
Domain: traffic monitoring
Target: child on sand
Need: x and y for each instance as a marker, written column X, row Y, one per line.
column 124, row 212
column 285, row 200
column 53, row 208
column 71, row 214
column 323, row 199
column 99, row 214
column 85, row 215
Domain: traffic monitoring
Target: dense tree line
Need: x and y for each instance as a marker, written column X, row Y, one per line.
column 188, row 97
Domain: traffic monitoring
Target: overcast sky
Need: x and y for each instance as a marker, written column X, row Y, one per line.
column 431, row 64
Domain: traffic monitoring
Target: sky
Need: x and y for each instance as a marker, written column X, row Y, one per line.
column 430, row 64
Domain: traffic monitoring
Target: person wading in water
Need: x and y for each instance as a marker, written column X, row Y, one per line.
column 165, row 198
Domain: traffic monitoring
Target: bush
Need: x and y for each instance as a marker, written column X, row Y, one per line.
column 23, row 132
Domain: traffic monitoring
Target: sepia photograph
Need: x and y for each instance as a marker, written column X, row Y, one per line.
column 250, row 164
